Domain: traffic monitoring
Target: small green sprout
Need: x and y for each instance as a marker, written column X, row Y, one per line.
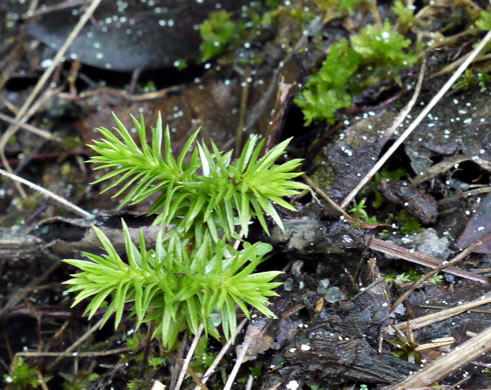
column 358, row 211
column 193, row 275
column 405, row 14
column 22, row 376
column 371, row 56
column 410, row 276
column 219, row 33
column 484, row 21
column 407, row 223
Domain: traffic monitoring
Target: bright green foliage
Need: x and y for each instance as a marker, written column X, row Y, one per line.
column 177, row 285
column 192, row 276
column 326, row 91
column 410, row 276
column 484, row 21
column 470, row 79
column 372, row 56
column 383, row 50
column 359, row 211
column 219, row 33
column 405, row 14
column 23, row 376
column 337, row 8
column 208, row 190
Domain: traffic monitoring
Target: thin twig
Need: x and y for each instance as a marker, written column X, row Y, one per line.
column 28, row 127
column 338, row 209
column 89, row 354
column 78, row 342
column 400, row 252
column 45, row 10
column 432, row 318
column 438, row 269
column 20, row 117
column 48, row 194
column 388, row 133
column 240, row 358
column 220, row 356
column 189, row 357
column 417, row 121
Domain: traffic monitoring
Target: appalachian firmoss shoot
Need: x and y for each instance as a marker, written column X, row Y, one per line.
column 192, row 276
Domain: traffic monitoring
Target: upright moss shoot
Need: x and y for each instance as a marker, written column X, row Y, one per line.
column 193, row 275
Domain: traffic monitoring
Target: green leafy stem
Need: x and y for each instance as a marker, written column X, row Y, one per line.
column 192, row 276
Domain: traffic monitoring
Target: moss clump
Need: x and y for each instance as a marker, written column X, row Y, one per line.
column 372, row 56
column 484, row 21
column 219, row 33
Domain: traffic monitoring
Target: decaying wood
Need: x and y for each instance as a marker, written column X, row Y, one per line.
column 67, row 237
column 341, row 347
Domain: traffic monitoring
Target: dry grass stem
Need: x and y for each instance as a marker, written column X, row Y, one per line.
column 435, row 271
column 20, row 117
column 442, row 367
column 33, row 129
column 388, row 133
column 418, row 120
column 240, row 358
column 400, row 252
column 429, row 319
column 48, row 194
column 220, row 355
column 188, row 357
column 90, row 354
column 77, row 343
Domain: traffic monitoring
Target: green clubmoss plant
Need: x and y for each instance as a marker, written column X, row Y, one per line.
column 193, row 275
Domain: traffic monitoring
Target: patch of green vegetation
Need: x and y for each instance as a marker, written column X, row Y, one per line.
column 470, row 79
column 193, row 274
column 203, row 356
column 407, row 223
column 405, row 15
column 134, row 342
column 219, row 33
column 157, row 362
column 332, row 9
column 327, row 90
column 149, row 87
column 358, row 211
column 372, row 56
column 78, row 382
column 22, row 376
column 410, row 276
column 484, row 21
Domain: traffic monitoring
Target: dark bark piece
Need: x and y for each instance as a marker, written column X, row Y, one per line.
column 337, row 359
column 67, row 237
column 341, row 347
column 417, row 203
column 308, row 235
column 478, row 227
